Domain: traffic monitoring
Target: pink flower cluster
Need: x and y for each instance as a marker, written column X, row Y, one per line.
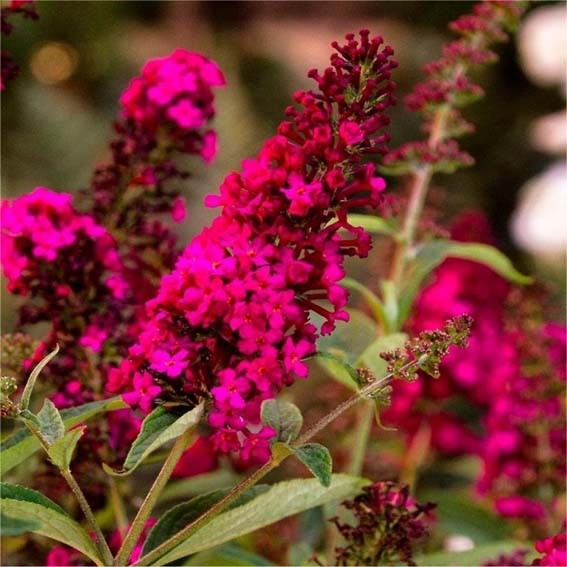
column 166, row 110
column 65, row 263
column 554, row 550
column 512, row 375
column 175, row 93
column 458, row 287
column 9, row 67
column 232, row 321
column 448, row 87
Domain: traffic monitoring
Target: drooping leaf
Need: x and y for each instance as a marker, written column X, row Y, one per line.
column 284, row 417
column 159, row 427
column 28, row 389
column 22, row 444
column 52, row 521
column 183, row 514
column 51, row 424
column 432, row 254
column 317, row 459
column 62, row 449
column 280, row 501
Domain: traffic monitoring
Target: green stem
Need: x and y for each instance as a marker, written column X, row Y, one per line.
column 221, row 505
column 118, row 506
column 151, row 498
column 360, row 438
column 102, row 545
column 89, row 515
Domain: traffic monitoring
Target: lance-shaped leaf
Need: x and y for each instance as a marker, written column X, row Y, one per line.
column 284, row 417
column 16, row 526
column 317, row 459
column 176, row 518
column 28, row 389
column 61, row 450
column 22, row 444
column 50, row 520
column 336, row 365
column 280, row 501
column 159, row 427
column 50, row 422
column 431, row 254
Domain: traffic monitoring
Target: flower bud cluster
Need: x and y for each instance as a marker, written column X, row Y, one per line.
column 232, row 321
column 447, row 88
column 10, row 68
column 389, row 523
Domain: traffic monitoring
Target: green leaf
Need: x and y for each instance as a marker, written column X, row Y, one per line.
column 176, row 518
column 52, row 521
column 338, row 368
column 62, row 449
column 26, row 395
column 370, row 358
column 159, row 427
column 284, row 417
column 431, row 254
column 391, row 306
column 350, row 339
column 458, row 514
column 195, row 485
column 373, row 224
column 473, row 557
column 51, row 424
column 280, row 501
column 22, row 444
column 14, row 526
column 372, row 300
column 317, row 459
column 229, row 554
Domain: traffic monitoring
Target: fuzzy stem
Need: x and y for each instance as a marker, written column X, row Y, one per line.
column 102, row 545
column 151, row 498
column 205, row 518
column 89, row 515
column 274, row 462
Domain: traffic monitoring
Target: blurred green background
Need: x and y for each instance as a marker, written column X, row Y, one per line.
column 79, row 56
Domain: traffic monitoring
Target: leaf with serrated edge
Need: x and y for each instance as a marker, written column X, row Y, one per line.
column 51, row 424
column 61, row 450
column 317, row 459
column 53, row 521
column 22, row 444
column 282, row 416
column 28, row 389
column 183, row 514
column 160, row 427
column 282, row 500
